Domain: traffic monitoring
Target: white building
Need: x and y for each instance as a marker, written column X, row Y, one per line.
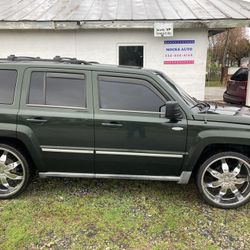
column 113, row 32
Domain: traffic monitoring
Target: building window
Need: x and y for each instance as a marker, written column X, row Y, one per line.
column 131, row 55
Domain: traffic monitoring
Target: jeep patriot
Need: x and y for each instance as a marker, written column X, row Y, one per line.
column 71, row 118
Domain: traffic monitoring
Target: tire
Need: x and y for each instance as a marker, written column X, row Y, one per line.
column 223, row 180
column 14, row 172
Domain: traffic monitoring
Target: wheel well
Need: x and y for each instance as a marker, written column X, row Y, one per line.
column 218, row 148
column 19, row 145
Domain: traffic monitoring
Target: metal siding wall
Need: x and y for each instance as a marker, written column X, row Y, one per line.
column 101, row 45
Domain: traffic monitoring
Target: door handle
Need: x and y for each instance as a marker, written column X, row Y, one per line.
column 36, row 120
column 111, row 124
column 177, row 128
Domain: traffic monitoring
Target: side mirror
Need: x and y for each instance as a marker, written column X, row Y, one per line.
column 173, row 111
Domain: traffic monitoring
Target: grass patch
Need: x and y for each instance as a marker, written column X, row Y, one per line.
column 117, row 214
column 213, row 84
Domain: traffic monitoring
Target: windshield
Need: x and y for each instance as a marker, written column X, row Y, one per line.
column 190, row 101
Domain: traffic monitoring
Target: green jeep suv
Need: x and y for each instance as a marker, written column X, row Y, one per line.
column 70, row 118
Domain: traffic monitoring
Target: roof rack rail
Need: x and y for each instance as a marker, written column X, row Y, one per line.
column 70, row 60
column 93, row 62
column 19, row 58
column 60, row 59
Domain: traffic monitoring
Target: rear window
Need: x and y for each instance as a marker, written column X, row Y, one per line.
column 240, row 75
column 7, row 86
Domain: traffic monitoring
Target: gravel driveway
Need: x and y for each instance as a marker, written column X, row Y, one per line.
column 214, row 93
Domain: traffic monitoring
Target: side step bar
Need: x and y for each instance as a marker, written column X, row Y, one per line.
column 182, row 179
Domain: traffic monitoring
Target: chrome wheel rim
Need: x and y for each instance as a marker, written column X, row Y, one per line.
column 12, row 172
column 226, row 181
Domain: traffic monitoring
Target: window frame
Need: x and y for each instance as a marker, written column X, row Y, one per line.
column 151, row 86
column 143, row 45
column 56, row 72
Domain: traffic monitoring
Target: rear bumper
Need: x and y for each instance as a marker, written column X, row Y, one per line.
column 233, row 99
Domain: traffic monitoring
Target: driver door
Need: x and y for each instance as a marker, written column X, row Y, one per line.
column 131, row 136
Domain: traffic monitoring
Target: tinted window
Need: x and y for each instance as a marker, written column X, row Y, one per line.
column 131, row 55
column 128, row 94
column 240, row 75
column 7, row 86
column 57, row 89
column 36, row 95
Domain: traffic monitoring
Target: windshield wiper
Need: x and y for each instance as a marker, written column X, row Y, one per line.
column 201, row 104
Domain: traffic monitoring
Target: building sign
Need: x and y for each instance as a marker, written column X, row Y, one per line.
column 179, row 51
column 163, row 29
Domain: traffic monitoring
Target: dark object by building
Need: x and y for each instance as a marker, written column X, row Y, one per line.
column 236, row 87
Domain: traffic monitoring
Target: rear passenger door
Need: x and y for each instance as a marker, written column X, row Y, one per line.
column 56, row 114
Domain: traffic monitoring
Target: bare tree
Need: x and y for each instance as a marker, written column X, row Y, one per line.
column 228, row 48
column 238, row 46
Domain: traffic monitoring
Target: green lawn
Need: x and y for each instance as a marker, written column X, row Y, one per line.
column 115, row 214
column 213, row 84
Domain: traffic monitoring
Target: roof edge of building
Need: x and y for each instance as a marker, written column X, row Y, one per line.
column 136, row 24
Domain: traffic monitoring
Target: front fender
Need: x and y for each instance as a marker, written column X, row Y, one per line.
column 212, row 136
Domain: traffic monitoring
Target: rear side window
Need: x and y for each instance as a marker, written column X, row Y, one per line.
column 57, row 89
column 7, row 86
column 128, row 94
column 240, row 75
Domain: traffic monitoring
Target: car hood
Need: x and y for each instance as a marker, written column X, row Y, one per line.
column 224, row 109
column 225, row 113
